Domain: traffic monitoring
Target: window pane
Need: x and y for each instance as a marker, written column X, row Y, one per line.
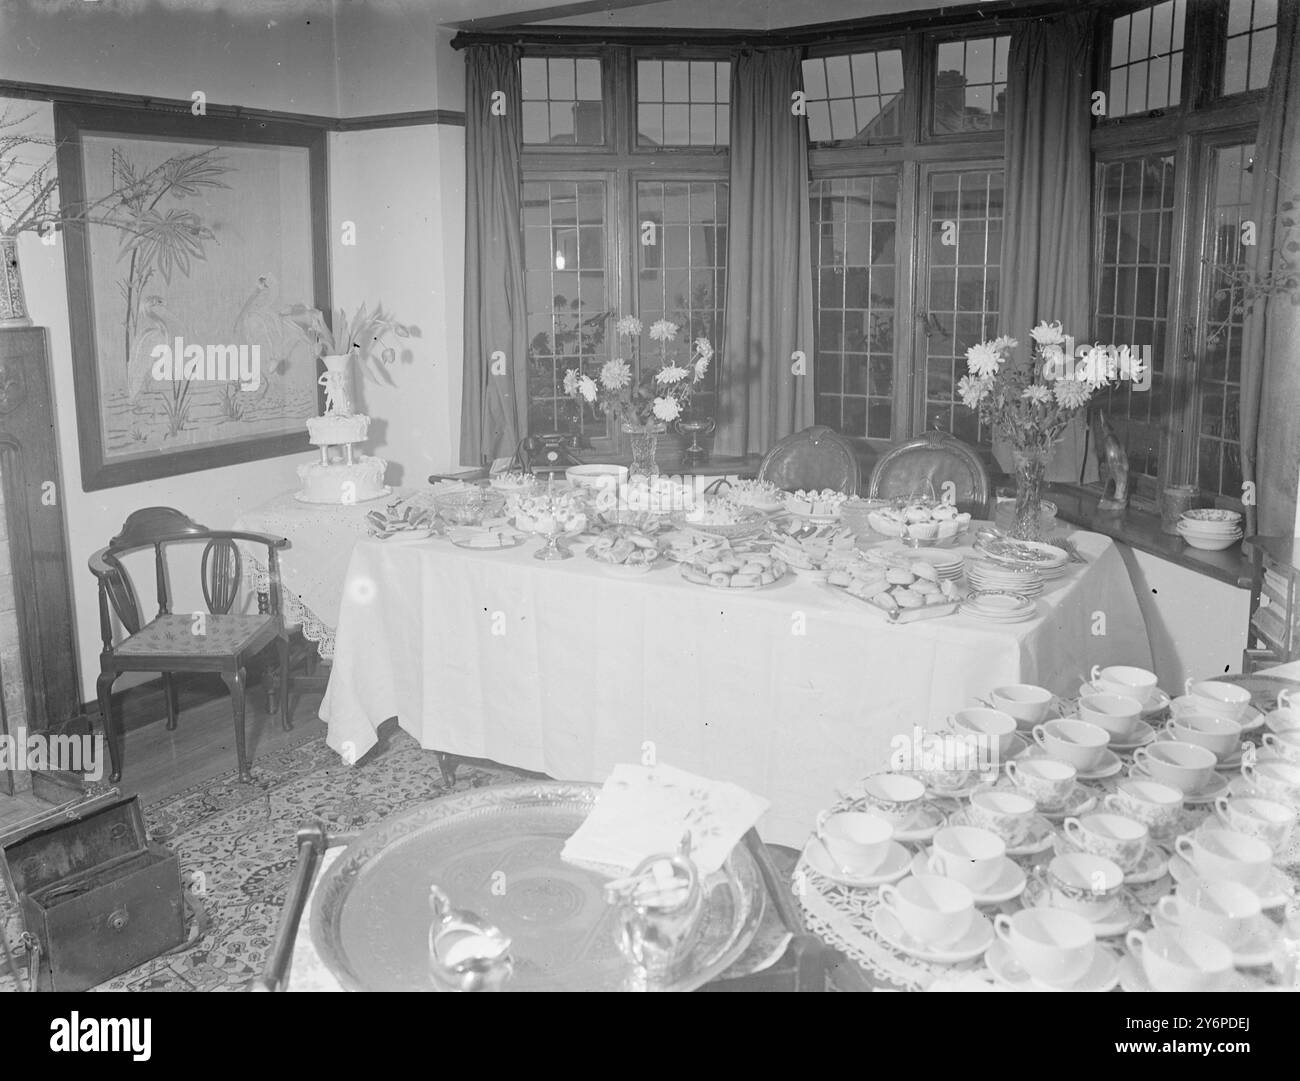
column 564, row 249
column 1251, row 38
column 970, row 86
column 1146, row 59
column 1136, row 220
column 679, row 104
column 855, row 219
column 561, row 101
column 681, row 264
column 854, row 99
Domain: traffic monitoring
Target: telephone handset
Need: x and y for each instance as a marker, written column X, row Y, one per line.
column 547, row 453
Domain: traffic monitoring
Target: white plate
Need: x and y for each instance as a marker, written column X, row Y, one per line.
column 1253, row 950
column 1216, row 787
column 1009, row 884
column 895, row 866
column 470, row 546
column 1127, row 912
column 973, row 943
column 1102, row 974
column 1274, row 893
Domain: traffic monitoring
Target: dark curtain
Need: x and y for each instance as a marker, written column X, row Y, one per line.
column 1047, row 238
column 769, row 260
column 1270, row 369
column 494, row 400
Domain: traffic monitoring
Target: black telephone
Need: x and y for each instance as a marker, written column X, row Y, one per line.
column 549, row 453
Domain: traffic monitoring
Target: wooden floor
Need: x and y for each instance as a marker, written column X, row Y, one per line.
column 157, row 763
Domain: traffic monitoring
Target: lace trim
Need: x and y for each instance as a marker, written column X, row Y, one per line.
column 314, row 629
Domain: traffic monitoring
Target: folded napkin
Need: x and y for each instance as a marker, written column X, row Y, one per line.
column 643, row 811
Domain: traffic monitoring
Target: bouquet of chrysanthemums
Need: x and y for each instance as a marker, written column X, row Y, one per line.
column 661, row 394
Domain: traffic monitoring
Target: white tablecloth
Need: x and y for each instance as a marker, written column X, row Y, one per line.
column 789, row 691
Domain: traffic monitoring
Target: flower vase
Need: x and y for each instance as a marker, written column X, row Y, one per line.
column 645, row 443
column 13, row 305
column 1031, row 466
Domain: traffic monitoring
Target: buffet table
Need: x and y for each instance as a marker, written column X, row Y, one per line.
column 791, row 691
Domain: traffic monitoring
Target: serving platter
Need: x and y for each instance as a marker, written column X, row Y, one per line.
column 496, row 852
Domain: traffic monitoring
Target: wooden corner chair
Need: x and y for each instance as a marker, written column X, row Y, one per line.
column 931, row 461
column 211, row 641
column 813, row 459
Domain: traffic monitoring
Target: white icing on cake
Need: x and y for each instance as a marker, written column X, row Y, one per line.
column 336, row 429
column 341, row 482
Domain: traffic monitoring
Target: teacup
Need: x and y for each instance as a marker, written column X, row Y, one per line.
column 974, row 857
column 1155, row 805
column 1077, row 742
column 1284, row 744
column 1219, row 908
column 857, row 842
column 1085, row 883
column 1054, row 946
column 1225, row 699
column 1008, row 814
column 1215, row 853
column 1126, row 681
column 1028, row 704
column 1270, row 821
column 1275, row 780
column 1115, row 837
column 933, row 910
column 992, row 727
column 1044, row 780
column 1118, row 714
column 1180, row 959
column 1218, row 735
column 1184, row 766
column 893, row 796
column 1283, row 719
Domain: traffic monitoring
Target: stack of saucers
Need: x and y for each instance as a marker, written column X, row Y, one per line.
column 1048, row 560
column 946, row 564
column 984, row 574
column 999, row 606
column 1210, row 528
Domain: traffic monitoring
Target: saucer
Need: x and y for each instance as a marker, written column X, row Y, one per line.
column 1153, row 864
column 1109, row 765
column 1142, row 735
column 1132, row 978
column 921, row 824
column 1157, row 706
column 1121, row 917
column 1009, row 884
column 1217, row 787
column 1274, row 893
column 973, row 943
column 1102, row 974
column 894, row 866
column 1254, row 949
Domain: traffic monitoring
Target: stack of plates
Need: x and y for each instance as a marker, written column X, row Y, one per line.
column 1048, row 560
column 984, row 574
column 945, row 563
column 1210, row 529
column 999, row 607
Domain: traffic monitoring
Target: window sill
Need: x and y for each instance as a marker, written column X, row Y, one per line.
column 1140, row 529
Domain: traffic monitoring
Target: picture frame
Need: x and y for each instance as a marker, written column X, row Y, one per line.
column 200, row 233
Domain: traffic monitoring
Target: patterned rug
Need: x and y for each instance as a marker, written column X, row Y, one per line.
column 237, row 852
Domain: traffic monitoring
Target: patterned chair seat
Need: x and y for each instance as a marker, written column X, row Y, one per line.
column 175, row 634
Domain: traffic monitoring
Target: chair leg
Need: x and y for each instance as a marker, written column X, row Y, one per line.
column 235, row 681
column 104, row 692
column 173, row 703
column 286, row 706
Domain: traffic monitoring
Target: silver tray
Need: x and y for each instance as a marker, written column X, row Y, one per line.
column 496, row 852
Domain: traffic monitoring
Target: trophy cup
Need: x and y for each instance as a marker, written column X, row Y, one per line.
column 695, row 454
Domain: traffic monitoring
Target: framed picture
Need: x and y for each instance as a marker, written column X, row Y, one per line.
column 200, row 233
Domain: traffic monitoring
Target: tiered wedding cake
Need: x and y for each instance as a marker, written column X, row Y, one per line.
column 341, row 477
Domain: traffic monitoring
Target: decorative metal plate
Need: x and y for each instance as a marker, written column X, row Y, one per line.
column 496, row 852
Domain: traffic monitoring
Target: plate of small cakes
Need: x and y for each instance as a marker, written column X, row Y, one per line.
column 816, row 506
column 735, row 569
column 920, row 521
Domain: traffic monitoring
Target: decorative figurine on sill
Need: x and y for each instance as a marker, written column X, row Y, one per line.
column 1112, row 463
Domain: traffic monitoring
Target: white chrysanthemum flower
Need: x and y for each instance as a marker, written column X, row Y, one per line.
column 1053, row 363
column 1131, row 365
column 661, row 330
column 972, row 391
column 1097, row 367
column 1048, row 333
column 667, row 408
column 615, row 375
column 1071, row 393
column 1038, row 393
column 629, row 326
column 671, row 374
column 701, row 368
column 983, row 359
column 587, row 388
column 704, row 348
column 571, row 382
column 1004, row 343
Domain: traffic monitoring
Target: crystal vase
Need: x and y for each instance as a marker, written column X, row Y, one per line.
column 1031, row 466
column 645, row 444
